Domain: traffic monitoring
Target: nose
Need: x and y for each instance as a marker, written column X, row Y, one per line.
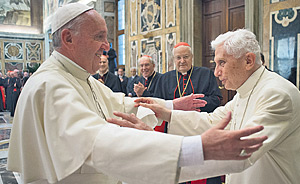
column 106, row 45
column 217, row 71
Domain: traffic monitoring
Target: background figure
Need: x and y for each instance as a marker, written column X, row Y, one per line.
column 112, row 55
column 149, row 78
column 25, row 78
column 16, row 84
column 187, row 79
column 9, row 91
column 123, row 79
column 106, row 77
column 134, row 79
column 2, row 94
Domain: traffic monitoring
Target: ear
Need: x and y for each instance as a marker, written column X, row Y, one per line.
column 250, row 60
column 67, row 39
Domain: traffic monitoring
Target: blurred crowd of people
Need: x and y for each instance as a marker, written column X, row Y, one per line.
column 11, row 85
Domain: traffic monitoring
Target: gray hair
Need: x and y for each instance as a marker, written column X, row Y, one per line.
column 190, row 49
column 133, row 68
column 150, row 58
column 238, row 43
column 74, row 25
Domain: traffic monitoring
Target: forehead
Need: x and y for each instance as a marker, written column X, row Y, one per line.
column 182, row 50
column 144, row 60
column 220, row 53
column 103, row 58
column 94, row 22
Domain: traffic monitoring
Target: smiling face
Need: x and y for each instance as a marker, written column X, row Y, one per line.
column 183, row 59
column 103, row 64
column 231, row 71
column 147, row 68
column 90, row 42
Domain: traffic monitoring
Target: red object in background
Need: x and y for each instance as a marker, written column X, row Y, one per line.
column 203, row 181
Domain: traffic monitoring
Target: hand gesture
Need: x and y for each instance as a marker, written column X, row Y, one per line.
column 129, row 120
column 189, row 103
column 220, row 144
column 139, row 89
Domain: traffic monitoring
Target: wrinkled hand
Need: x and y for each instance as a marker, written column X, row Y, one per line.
column 160, row 111
column 189, row 103
column 220, row 144
column 129, row 120
column 139, row 89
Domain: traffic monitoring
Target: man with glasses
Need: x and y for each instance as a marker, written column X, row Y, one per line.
column 187, row 79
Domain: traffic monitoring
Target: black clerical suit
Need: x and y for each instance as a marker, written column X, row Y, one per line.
column 150, row 83
column 202, row 81
column 130, row 85
column 16, row 85
column 124, row 84
column 111, row 60
column 111, row 81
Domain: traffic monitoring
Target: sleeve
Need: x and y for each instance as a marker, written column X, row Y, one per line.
column 213, row 95
column 136, row 156
column 189, row 123
column 159, row 90
column 274, row 111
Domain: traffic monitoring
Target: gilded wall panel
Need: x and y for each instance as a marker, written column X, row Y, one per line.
column 170, row 43
column 13, row 51
column 284, row 43
column 152, row 47
column 110, row 23
column 10, row 66
column 170, row 13
column 133, row 17
column 33, row 51
column 134, row 56
column 150, row 15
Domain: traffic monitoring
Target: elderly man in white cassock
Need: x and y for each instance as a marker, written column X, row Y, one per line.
column 263, row 98
column 60, row 133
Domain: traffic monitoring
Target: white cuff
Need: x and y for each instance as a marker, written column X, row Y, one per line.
column 169, row 104
column 191, row 151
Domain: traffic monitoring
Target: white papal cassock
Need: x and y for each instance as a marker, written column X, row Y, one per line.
column 274, row 103
column 59, row 133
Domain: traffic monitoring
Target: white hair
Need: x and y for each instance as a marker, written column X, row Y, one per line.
column 190, row 49
column 150, row 58
column 238, row 43
column 133, row 68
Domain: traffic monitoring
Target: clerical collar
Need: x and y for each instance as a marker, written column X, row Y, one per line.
column 71, row 66
column 148, row 78
column 249, row 84
column 105, row 73
column 188, row 72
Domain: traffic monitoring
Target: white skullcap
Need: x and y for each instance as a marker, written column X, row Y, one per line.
column 66, row 13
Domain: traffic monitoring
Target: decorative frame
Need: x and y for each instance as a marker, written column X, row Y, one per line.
column 109, row 7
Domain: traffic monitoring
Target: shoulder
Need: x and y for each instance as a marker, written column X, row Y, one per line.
column 202, row 70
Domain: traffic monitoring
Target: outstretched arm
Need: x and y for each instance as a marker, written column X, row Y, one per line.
column 218, row 144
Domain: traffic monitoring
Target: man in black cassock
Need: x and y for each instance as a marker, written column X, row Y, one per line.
column 106, row 77
column 149, row 78
column 187, row 79
column 134, row 79
column 123, row 79
column 111, row 60
column 16, row 85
